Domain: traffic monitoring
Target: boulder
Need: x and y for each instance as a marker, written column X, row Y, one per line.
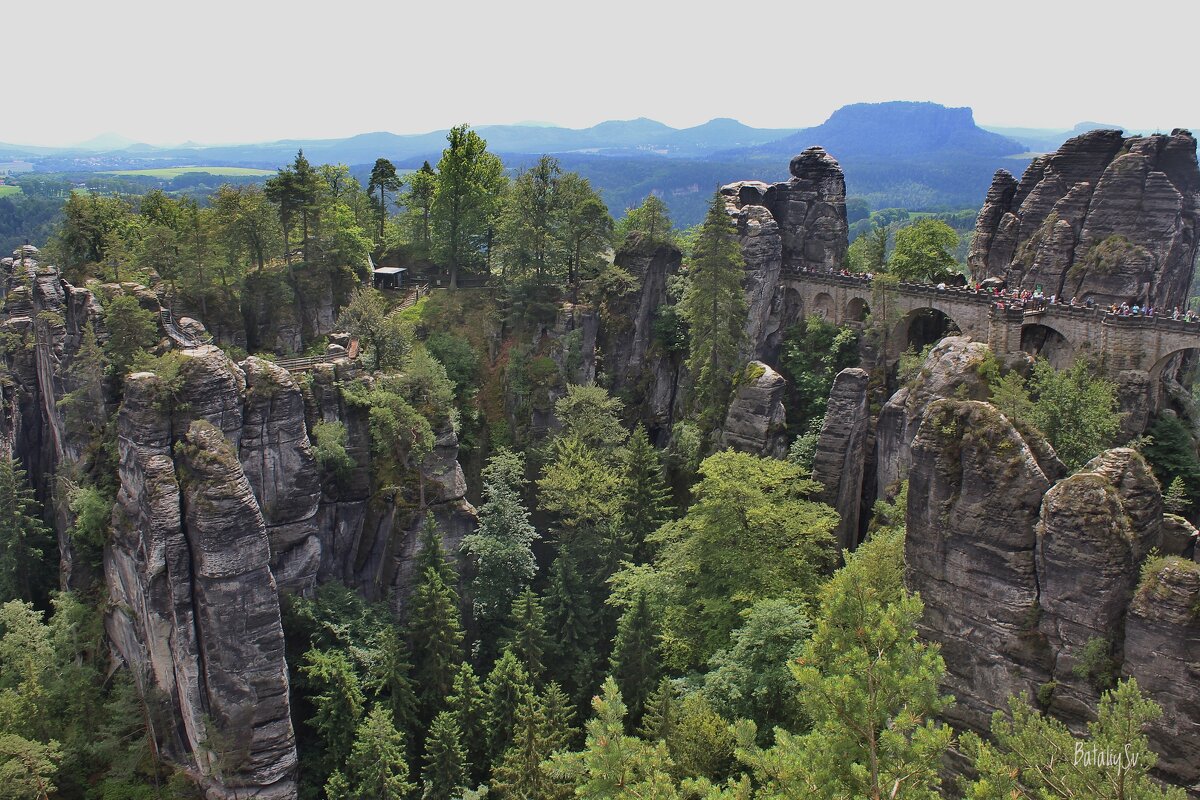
column 755, row 422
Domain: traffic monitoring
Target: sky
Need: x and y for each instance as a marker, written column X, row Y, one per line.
column 223, row 71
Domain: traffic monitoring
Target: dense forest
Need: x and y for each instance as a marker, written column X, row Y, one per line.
column 639, row 613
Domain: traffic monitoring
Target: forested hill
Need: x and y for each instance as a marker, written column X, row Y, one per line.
column 920, row 156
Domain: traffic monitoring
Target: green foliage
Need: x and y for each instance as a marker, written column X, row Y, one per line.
column 750, row 535
column 1074, row 409
column 1106, row 256
column 1034, row 756
column 714, row 307
column 460, row 360
column 377, row 765
column 329, row 448
column 647, row 497
column 501, row 548
column 750, row 679
column 1096, row 665
column 470, row 183
column 651, row 219
column 469, row 705
column 336, row 693
column 868, row 252
column 588, row 414
column 553, row 226
column 701, row 744
column 389, row 678
column 1171, row 452
column 401, row 436
column 26, row 543
column 27, row 769
column 1175, row 498
column 869, row 687
column 635, row 661
column 612, row 764
column 571, row 615
column 924, row 251
column 130, row 328
column 92, row 509
column 527, row 642
column 506, row 686
column 538, row 732
column 383, row 335
column 445, row 772
column 813, row 354
column 435, row 637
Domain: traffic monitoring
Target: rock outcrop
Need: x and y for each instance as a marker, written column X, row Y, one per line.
column 975, row 492
column 1162, row 649
column 799, row 224
column 841, row 454
column 194, row 607
column 1108, row 217
column 755, row 422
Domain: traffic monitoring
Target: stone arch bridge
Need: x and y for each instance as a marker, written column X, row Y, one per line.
column 1059, row 332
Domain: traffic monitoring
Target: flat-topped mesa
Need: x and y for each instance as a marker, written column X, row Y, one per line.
column 1108, row 217
column 799, row 224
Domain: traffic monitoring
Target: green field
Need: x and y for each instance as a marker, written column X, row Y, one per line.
column 167, row 173
column 6, row 190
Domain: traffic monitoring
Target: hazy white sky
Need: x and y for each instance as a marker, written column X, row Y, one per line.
column 164, row 71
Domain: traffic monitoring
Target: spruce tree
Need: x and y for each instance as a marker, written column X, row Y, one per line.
column 560, row 716
column 377, row 766
column 506, row 686
column 469, row 706
column 431, row 554
column 647, row 503
column 714, row 306
column 338, row 699
column 391, row 680
column 523, row 771
column 445, row 773
column 528, row 638
column 435, row 636
column 25, row 541
column 660, row 714
column 635, row 661
column 571, row 652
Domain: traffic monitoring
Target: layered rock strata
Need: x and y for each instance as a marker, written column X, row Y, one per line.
column 755, row 422
column 840, row 458
column 1108, row 217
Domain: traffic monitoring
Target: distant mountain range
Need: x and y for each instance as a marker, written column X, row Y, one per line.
column 921, row 156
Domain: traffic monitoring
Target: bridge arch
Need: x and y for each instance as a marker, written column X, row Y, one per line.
column 1180, row 359
column 857, row 310
column 824, row 307
column 1039, row 339
column 921, row 327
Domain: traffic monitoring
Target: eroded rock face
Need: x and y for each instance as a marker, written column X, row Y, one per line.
column 1096, row 527
column 756, row 422
column 799, row 224
column 975, row 490
column 841, row 453
column 950, row 370
column 1162, row 649
column 634, row 362
column 1107, row 217
column 195, row 610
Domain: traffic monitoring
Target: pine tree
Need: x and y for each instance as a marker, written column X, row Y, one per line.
column 661, row 713
column 571, row 652
column 613, row 764
column 391, row 681
column 377, row 766
column 714, row 306
column 1175, row 499
column 647, row 504
column 435, row 636
column 445, row 772
column 25, row 541
column 505, row 688
column 635, row 662
column 528, row 639
column 560, row 716
column 469, row 705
